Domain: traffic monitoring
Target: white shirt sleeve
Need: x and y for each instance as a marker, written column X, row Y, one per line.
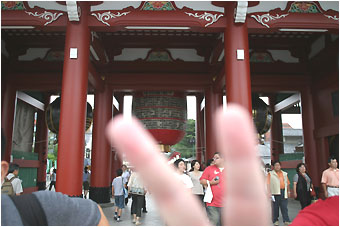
column 17, row 187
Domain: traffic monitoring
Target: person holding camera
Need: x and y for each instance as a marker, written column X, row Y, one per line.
column 214, row 176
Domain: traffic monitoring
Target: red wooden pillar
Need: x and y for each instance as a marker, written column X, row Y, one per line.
column 73, row 106
column 120, row 99
column 199, row 129
column 41, row 145
column 7, row 117
column 210, row 109
column 238, row 89
column 309, row 143
column 276, row 141
column 101, row 149
column 115, row 163
column 204, row 153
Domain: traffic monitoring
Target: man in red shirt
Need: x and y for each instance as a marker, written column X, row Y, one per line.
column 321, row 213
column 215, row 175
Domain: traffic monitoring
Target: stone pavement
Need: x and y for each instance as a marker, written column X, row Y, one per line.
column 152, row 218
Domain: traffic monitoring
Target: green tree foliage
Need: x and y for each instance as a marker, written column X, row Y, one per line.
column 187, row 146
column 52, row 145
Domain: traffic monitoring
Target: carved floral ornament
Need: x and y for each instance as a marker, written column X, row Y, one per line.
column 265, row 18
column 331, row 17
column 206, row 16
column 103, row 17
column 50, row 17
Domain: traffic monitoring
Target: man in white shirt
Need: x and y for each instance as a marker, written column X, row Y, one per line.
column 126, row 175
column 16, row 182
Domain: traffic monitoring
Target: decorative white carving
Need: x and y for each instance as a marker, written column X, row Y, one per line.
column 206, row 16
column 50, row 17
column 73, row 10
column 241, row 11
column 262, row 19
column 331, row 17
column 107, row 16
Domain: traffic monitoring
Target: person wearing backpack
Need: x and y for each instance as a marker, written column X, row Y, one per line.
column 12, row 177
column 34, row 209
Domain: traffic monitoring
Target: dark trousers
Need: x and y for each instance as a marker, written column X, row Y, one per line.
column 144, row 203
column 305, row 203
column 52, row 184
column 280, row 203
column 137, row 204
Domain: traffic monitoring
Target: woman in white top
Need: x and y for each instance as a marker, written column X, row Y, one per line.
column 137, row 189
column 195, row 175
column 180, row 165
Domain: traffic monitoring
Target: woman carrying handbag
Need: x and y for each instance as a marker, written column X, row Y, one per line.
column 303, row 187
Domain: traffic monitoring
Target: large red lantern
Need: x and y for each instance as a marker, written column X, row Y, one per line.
column 163, row 113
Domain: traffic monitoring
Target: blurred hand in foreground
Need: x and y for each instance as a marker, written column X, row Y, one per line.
column 245, row 200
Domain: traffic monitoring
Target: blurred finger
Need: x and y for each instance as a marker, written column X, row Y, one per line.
column 177, row 205
column 245, row 196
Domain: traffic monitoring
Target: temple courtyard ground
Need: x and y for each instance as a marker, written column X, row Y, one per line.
column 152, row 218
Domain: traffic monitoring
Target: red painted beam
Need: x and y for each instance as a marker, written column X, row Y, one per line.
column 172, row 18
column 21, row 18
column 274, row 83
column 27, row 163
column 155, row 18
column 140, row 80
column 30, row 190
column 290, row 164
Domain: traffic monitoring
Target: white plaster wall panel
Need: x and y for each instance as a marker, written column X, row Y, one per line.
column 186, row 55
column 131, row 54
column 326, row 5
column 48, row 5
column 115, row 5
column 34, row 53
column 334, row 37
column 3, row 48
column 317, row 46
column 199, row 6
column 265, row 6
column 283, row 55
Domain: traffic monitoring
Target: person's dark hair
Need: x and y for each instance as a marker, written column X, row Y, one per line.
column 209, row 162
column 119, row 172
column 277, row 161
column 13, row 167
column 330, row 159
column 219, row 154
column 176, row 163
column 193, row 162
column 86, row 169
column 299, row 165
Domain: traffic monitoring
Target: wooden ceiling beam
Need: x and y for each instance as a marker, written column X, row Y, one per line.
column 145, row 41
column 94, row 79
column 154, row 67
column 98, row 51
column 217, row 51
column 157, row 79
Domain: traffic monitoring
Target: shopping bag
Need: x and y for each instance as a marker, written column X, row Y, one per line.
column 208, row 194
